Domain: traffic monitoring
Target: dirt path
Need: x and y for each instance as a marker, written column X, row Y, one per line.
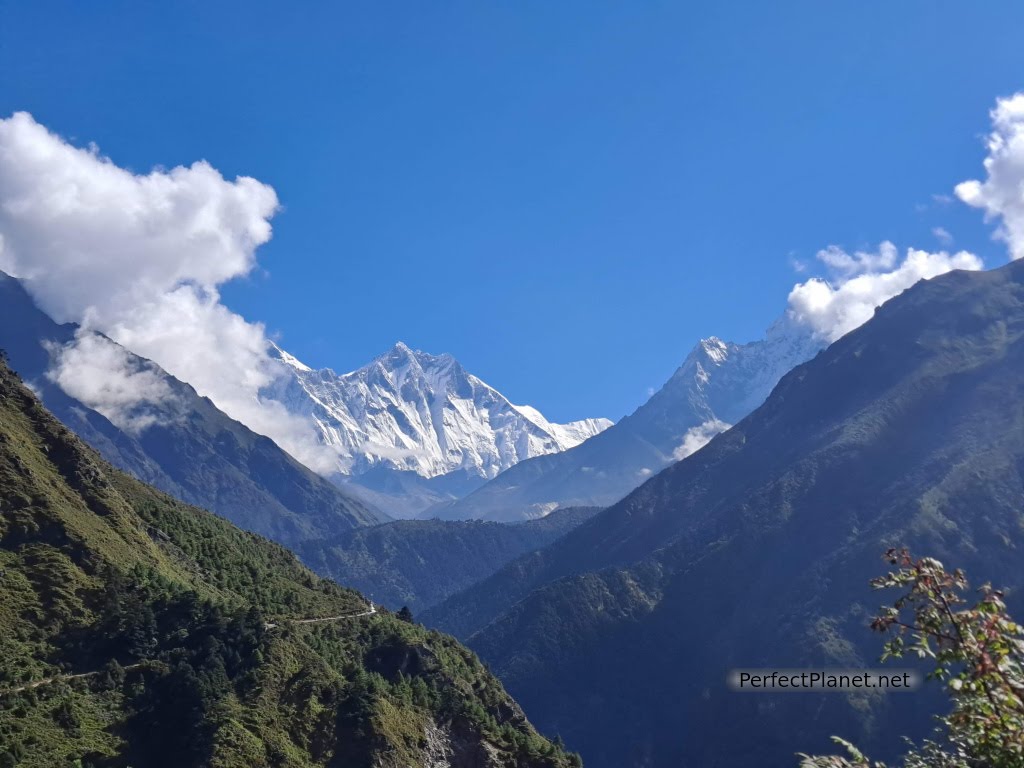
column 372, row 610
column 56, row 678
column 47, row 680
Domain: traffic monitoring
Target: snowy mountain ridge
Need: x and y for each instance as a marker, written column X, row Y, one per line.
column 716, row 386
column 725, row 381
column 411, row 411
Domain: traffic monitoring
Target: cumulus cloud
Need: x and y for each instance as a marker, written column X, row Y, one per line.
column 129, row 391
column 140, row 258
column 91, row 236
column 697, row 437
column 856, row 284
column 1001, row 194
column 861, row 282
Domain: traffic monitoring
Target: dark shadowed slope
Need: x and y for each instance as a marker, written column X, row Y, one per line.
column 189, row 449
column 137, row 630
column 756, row 551
column 418, row 563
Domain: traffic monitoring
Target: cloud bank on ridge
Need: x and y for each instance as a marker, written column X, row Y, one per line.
column 863, row 281
column 140, row 257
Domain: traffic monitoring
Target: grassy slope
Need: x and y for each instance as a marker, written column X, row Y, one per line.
column 97, row 568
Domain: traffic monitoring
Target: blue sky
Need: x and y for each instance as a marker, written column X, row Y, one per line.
column 564, row 195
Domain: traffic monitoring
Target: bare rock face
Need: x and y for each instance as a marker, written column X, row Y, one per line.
column 458, row 745
column 438, row 751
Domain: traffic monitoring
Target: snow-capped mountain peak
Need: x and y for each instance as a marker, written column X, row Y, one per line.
column 716, row 349
column 288, row 360
column 413, row 411
column 723, row 380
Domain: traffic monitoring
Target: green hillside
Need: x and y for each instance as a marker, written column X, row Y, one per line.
column 138, row 631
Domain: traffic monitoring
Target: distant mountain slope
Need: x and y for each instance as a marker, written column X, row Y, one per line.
column 140, row 631
column 182, row 444
column 756, row 550
column 404, row 493
column 717, row 385
column 421, row 416
column 418, row 563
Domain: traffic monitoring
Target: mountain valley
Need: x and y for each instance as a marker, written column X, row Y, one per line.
column 419, row 563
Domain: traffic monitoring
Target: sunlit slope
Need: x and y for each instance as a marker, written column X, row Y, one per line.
column 137, row 630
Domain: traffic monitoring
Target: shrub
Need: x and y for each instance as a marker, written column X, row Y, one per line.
column 978, row 653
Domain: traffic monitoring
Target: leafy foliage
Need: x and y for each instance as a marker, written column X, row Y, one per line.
column 978, row 653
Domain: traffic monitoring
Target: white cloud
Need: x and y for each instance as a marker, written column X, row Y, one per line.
column 862, row 282
column 942, row 235
column 140, row 257
column 130, row 392
column 697, row 437
column 1001, row 194
column 92, row 236
column 861, row 262
column 857, row 284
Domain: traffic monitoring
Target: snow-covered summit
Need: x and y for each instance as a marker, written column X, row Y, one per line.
column 725, row 381
column 413, row 411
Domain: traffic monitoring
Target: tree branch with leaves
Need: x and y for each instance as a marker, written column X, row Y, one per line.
column 978, row 653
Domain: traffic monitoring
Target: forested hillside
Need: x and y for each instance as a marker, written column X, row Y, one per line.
column 138, row 631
